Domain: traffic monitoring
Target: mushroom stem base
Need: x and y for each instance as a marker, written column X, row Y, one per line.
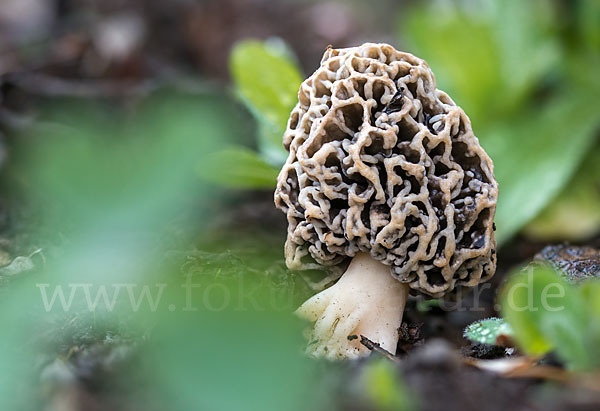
column 366, row 301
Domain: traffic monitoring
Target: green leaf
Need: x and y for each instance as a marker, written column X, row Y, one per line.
column 384, row 388
column 488, row 56
column 487, row 331
column 546, row 313
column 587, row 22
column 268, row 81
column 590, row 291
column 238, row 167
column 591, row 294
column 575, row 213
column 103, row 163
column 426, row 305
column 536, row 155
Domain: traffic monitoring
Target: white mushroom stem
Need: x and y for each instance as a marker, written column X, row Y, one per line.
column 366, row 301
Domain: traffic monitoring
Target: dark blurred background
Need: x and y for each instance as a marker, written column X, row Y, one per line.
column 147, row 40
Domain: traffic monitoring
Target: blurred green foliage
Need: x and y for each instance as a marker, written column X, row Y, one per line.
column 575, row 214
column 549, row 314
column 385, row 389
column 117, row 191
column 98, row 163
column 231, row 360
column 488, row 55
column 267, row 79
column 238, row 167
column 525, row 73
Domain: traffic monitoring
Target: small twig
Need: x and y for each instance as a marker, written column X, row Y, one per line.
column 373, row 346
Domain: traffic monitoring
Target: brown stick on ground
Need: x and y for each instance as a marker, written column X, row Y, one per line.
column 373, row 346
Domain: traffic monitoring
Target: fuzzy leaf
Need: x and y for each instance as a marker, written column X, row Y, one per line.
column 487, row 331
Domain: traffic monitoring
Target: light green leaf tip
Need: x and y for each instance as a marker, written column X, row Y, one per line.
column 238, row 167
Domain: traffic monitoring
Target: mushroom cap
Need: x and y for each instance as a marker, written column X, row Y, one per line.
column 381, row 161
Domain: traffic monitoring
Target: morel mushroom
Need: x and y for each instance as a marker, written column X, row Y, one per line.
column 386, row 187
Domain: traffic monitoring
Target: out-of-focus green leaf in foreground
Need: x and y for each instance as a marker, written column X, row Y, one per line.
column 238, row 167
column 547, row 313
column 493, row 58
column 384, row 388
column 107, row 186
column 227, row 343
column 88, row 164
column 268, row 80
column 231, row 360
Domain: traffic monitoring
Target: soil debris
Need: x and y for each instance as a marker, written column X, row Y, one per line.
column 577, row 263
